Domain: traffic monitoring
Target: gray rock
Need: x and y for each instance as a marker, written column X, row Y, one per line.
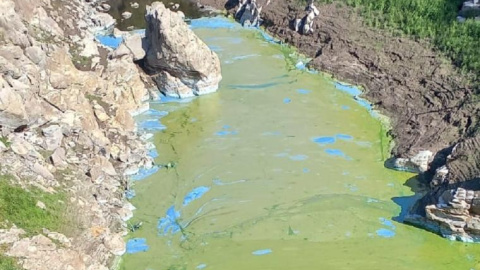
column 115, row 244
column 415, row 164
column 36, row 55
column 126, row 15
column 59, row 158
column 41, row 205
column 53, row 137
column 181, row 64
column 12, row 110
column 10, row 236
column 137, row 44
column 104, row 7
column 42, row 171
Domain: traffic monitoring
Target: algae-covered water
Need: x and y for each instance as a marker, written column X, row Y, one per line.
column 280, row 169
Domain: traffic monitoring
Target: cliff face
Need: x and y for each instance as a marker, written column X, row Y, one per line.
column 66, row 125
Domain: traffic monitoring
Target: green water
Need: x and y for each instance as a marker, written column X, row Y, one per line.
column 271, row 187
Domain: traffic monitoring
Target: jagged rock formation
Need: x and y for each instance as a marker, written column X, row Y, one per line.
column 452, row 206
column 248, row 13
column 305, row 25
column 66, row 124
column 180, row 63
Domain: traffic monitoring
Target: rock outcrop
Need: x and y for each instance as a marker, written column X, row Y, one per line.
column 248, row 13
column 305, row 25
column 179, row 62
column 66, row 124
column 451, row 207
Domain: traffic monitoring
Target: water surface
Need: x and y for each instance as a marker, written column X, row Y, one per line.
column 278, row 170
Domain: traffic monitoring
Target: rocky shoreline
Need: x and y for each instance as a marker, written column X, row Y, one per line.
column 67, row 104
column 433, row 108
column 67, row 126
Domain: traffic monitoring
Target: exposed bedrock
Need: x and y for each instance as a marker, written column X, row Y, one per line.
column 452, row 206
column 180, row 63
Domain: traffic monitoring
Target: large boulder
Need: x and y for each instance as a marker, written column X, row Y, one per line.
column 180, row 63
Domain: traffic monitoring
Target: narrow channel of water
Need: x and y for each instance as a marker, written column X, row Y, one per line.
column 280, row 169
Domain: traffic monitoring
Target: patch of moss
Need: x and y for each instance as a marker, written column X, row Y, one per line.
column 5, row 141
column 18, row 206
column 8, row 263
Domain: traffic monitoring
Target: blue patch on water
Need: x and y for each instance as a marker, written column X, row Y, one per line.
column 136, row 245
column 213, row 23
column 306, row 170
column 152, row 125
column 167, row 99
column 298, row 157
column 267, row 37
column 324, row 140
column 354, row 92
column 385, row 233
column 287, row 100
column 344, row 137
column 144, row 173
column 334, row 152
column 253, row 86
column 364, row 103
column 262, row 252
column 387, row 223
column 169, row 222
column 129, row 194
column 195, row 194
column 222, row 133
column 300, row 65
column 345, row 107
column 303, row 91
column 109, row 41
column 153, row 153
column 201, row 266
column 349, row 89
column 226, row 131
column 157, row 113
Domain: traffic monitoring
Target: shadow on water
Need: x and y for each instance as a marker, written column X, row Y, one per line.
column 406, row 203
column 420, row 185
column 190, row 8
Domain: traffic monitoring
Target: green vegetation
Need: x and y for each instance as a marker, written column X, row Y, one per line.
column 7, row 263
column 431, row 19
column 5, row 141
column 18, row 206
